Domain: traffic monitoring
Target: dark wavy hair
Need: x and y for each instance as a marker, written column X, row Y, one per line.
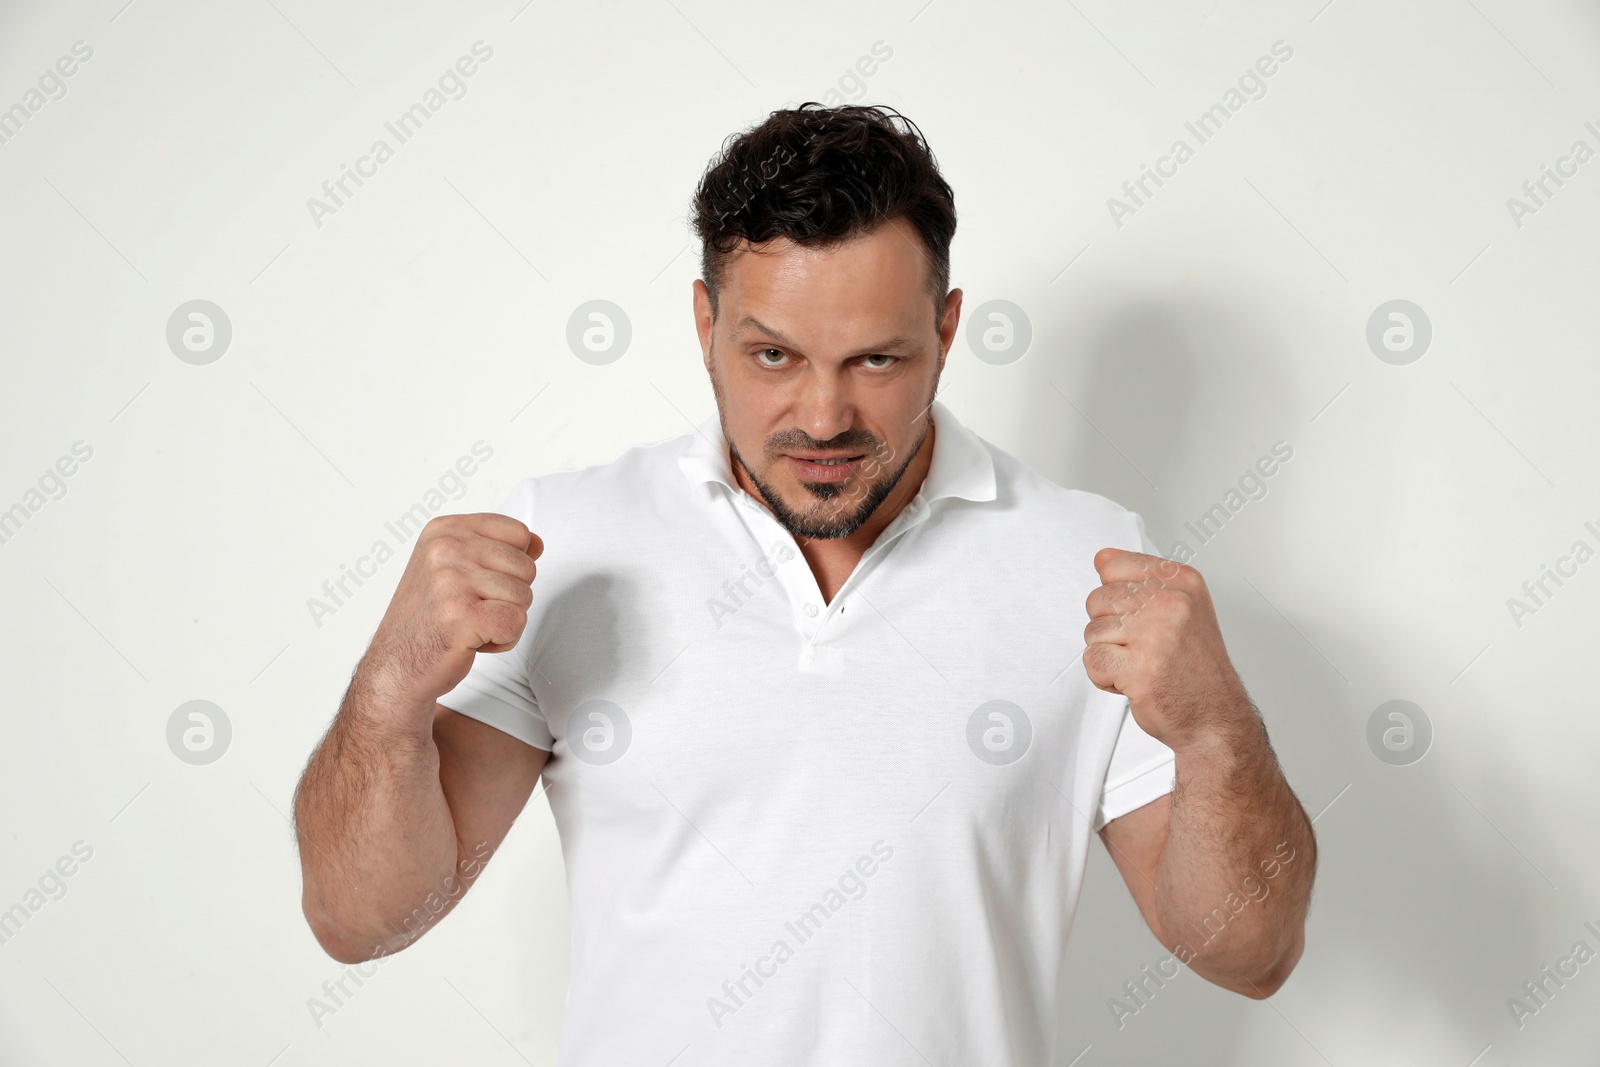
column 821, row 176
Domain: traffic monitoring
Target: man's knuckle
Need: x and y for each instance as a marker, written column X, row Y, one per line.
column 442, row 551
column 453, row 611
column 504, row 621
column 444, row 586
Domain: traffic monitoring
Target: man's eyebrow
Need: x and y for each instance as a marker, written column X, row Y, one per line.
column 892, row 344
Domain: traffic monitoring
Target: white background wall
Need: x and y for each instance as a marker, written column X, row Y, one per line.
column 1169, row 352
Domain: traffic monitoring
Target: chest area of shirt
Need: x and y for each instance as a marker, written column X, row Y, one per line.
column 944, row 653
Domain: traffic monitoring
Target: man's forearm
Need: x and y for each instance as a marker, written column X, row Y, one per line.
column 1235, row 877
column 375, row 831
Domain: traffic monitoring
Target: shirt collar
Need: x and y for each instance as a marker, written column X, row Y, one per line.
column 961, row 465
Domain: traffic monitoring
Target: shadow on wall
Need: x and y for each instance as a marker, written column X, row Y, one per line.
column 1423, row 920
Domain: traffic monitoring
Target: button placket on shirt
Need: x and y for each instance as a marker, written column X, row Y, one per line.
column 760, row 525
column 801, row 585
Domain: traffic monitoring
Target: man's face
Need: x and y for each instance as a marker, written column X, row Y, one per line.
column 822, row 354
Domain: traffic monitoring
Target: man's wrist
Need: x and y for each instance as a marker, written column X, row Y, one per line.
column 1232, row 746
column 381, row 707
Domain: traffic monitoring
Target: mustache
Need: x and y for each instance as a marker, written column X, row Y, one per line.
column 799, row 441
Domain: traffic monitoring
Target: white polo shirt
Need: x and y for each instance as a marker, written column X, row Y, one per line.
column 808, row 833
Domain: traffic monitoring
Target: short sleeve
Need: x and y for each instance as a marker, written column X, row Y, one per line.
column 497, row 689
column 1146, row 545
column 1141, row 771
column 1141, row 767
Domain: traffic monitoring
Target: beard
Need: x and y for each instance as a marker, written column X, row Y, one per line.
column 867, row 496
column 861, row 497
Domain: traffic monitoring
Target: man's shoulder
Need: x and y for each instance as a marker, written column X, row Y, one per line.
column 631, row 478
column 1057, row 518
column 1032, row 492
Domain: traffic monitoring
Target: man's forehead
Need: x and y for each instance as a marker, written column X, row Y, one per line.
column 876, row 277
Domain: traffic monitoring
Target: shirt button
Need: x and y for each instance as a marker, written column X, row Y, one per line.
column 811, row 611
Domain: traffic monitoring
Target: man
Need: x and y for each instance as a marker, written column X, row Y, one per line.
column 828, row 695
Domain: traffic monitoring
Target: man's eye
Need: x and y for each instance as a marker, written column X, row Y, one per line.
column 761, row 355
column 891, row 361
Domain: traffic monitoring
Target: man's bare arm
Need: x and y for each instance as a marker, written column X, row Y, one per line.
column 1222, row 882
column 394, row 830
column 1221, row 868
column 404, row 800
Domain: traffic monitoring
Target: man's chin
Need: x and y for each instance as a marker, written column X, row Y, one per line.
column 820, row 511
column 814, row 491
column 828, row 525
column 822, row 533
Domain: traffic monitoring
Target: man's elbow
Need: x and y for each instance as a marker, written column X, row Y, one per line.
column 1265, row 984
column 1270, row 979
column 343, row 951
column 329, row 934
column 341, row 941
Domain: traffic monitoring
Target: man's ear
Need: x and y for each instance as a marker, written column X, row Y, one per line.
column 703, row 320
column 949, row 324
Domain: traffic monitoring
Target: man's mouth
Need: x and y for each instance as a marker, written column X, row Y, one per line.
column 822, row 467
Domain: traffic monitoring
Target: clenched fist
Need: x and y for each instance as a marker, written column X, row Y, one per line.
column 465, row 590
column 1153, row 637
